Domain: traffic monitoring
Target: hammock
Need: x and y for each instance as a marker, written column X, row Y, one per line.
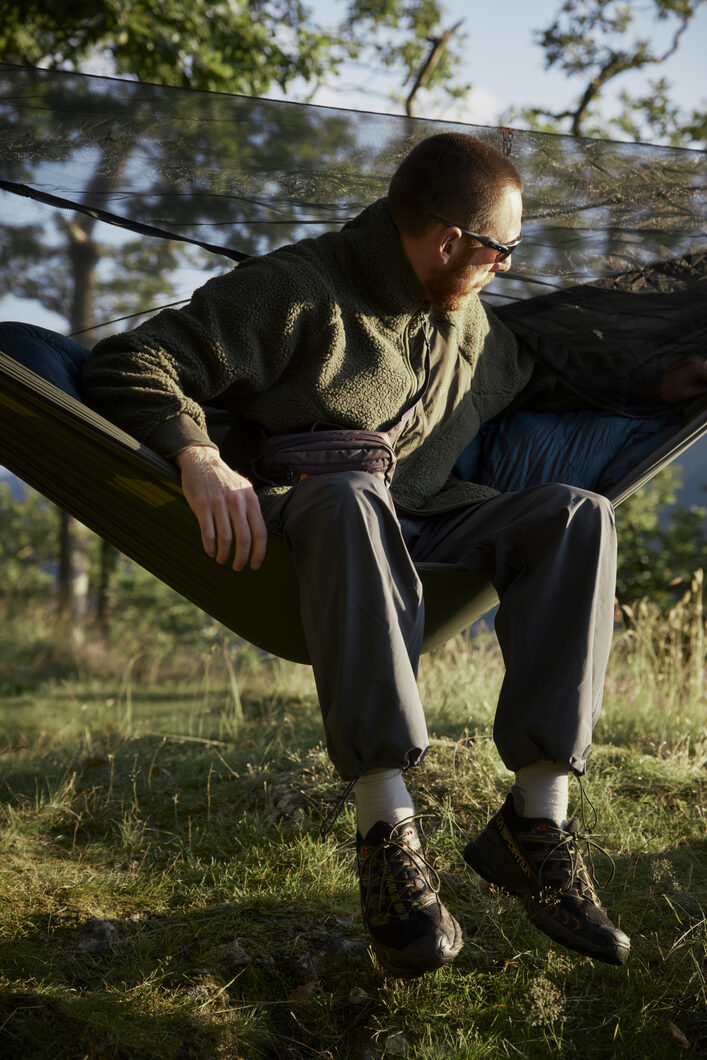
column 612, row 230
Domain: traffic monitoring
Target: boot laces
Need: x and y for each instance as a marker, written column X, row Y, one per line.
column 402, row 864
column 567, row 848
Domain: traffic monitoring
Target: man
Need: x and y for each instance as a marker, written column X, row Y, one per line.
column 376, row 327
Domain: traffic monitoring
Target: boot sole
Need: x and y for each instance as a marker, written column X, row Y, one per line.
column 419, row 957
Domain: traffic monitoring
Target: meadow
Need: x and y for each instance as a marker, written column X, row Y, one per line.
column 167, row 890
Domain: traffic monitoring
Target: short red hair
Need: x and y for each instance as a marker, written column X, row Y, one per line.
column 454, row 175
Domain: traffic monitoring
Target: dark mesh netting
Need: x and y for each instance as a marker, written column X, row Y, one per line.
column 612, row 265
column 243, row 174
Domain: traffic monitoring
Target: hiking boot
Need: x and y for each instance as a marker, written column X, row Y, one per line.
column 411, row 931
column 541, row 863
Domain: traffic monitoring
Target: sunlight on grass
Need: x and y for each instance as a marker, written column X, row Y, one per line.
column 179, row 797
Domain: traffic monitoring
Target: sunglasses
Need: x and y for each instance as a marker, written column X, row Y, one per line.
column 504, row 250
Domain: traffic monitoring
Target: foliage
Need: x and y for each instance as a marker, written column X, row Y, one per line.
column 422, row 54
column 667, row 653
column 239, row 46
column 29, row 547
column 594, row 42
column 144, row 609
column 660, row 544
column 35, row 264
column 235, row 46
column 215, row 45
column 147, row 610
column 140, row 798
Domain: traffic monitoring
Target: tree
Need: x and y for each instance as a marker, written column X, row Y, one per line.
column 594, row 42
column 217, row 46
column 28, row 548
column 423, row 55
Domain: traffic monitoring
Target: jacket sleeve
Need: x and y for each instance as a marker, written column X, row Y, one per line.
column 238, row 332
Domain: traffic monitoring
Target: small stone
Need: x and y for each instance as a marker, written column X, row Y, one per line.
column 303, row 992
column 236, row 953
column 94, row 936
column 396, row 1045
column 358, row 996
column 354, row 947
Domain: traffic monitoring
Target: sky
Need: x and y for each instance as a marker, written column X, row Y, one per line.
column 505, row 64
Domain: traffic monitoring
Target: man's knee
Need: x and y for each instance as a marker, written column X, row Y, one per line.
column 580, row 505
column 339, row 499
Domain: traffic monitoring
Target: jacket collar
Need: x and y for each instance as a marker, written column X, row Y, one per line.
column 379, row 268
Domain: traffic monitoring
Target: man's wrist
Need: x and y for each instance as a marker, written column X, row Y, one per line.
column 196, row 451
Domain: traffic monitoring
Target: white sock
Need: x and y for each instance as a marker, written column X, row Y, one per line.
column 542, row 790
column 382, row 795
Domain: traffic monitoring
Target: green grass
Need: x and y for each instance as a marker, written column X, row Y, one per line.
column 180, row 796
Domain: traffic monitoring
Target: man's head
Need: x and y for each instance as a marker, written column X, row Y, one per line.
column 451, row 185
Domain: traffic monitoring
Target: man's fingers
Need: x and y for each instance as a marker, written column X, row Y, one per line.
column 208, row 532
column 248, row 528
column 233, row 521
column 259, row 535
column 225, row 530
column 243, row 540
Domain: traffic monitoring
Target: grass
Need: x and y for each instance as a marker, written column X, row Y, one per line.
column 166, row 891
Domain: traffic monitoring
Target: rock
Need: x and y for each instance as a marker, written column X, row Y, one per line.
column 235, row 952
column 396, row 1045
column 94, row 936
column 358, row 996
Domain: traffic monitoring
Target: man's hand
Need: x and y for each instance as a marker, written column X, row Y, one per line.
column 687, row 381
column 226, row 506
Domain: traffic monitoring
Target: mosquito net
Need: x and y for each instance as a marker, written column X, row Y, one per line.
column 231, row 176
column 244, row 175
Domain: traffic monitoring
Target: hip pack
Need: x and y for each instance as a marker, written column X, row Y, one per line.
column 285, row 459
column 288, row 458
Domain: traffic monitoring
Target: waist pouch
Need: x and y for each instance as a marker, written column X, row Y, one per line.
column 288, row 458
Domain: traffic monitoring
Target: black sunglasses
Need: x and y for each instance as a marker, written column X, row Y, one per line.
column 504, row 249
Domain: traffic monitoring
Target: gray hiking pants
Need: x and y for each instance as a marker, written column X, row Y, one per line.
column 550, row 553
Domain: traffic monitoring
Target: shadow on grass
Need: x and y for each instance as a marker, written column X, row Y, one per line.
column 66, row 1028
column 229, row 981
column 266, row 978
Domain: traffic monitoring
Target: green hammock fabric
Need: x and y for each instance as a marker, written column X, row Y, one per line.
column 131, row 497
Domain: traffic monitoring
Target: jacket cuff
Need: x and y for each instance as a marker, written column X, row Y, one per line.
column 176, row 434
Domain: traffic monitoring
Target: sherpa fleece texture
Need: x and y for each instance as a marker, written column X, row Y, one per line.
column 328, row 329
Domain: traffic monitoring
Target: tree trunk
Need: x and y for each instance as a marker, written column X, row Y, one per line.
column 73, row 576
column 105, row 596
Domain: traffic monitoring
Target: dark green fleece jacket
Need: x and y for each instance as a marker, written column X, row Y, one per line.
column 328, row 329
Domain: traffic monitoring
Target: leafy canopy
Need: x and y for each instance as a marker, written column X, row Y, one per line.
column 238, row 46
column 596, row 41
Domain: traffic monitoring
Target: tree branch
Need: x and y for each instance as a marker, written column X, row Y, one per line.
column 437, row 46
column 617, row 64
